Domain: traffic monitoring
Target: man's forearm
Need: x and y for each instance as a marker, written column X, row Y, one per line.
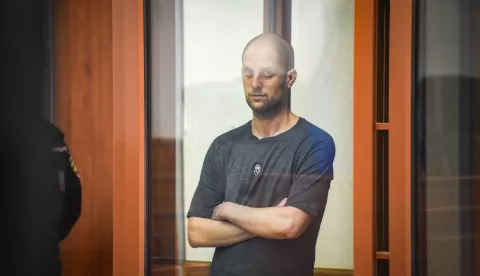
column 211, row 233
column 270, row 222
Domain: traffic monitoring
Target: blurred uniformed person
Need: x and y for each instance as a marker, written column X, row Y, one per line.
column 68, row 183
column 40, row 185
column 44, row 196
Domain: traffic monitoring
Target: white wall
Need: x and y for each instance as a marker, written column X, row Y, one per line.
column 322, row 36
column 215, row 33
column 163, row 68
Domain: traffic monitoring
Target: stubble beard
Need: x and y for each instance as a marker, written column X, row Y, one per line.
column 269, row 108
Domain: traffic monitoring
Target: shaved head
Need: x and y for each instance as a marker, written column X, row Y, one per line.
column 271, row 44
column 268, row 74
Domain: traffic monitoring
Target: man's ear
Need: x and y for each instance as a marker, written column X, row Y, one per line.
column 291, row 77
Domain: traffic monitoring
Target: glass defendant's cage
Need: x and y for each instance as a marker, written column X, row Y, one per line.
column 194, row 93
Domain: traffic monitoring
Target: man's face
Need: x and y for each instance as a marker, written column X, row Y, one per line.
column 265, row 80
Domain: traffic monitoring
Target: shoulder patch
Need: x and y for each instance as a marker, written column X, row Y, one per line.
column 74, row 168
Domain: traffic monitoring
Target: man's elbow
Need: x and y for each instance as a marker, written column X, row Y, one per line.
column 292, row 230
column 294, row 226
column 194, row 233
column 193, row 241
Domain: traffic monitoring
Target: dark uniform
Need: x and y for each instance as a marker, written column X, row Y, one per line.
column 43, row 196
column 68, row 184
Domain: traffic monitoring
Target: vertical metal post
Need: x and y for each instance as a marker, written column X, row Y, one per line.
column 179, row 129
column 278, row 17
column 269, row 16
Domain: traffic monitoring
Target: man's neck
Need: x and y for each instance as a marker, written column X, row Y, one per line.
column 264, row 127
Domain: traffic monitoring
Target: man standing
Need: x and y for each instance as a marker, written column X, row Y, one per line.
column 264, row 185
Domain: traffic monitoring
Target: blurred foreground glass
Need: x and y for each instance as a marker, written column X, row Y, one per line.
column 447, row 138
column 196, row 94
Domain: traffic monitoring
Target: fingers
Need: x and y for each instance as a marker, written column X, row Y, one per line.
column 215, row 213
column 282, row 203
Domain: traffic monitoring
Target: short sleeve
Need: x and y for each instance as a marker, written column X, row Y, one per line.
column 314, row 173
column 210, row 190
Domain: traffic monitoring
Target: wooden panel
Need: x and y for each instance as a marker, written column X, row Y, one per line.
column 166, row 270
column 363, row 130
column 83, row 109
column 163, row 241
column 99, row 49
column 203, row 269
column 128, row 138
column 196, row 268
column 400, row 132
column 382, row 255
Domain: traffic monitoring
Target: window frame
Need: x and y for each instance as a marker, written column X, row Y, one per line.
column 399, row 127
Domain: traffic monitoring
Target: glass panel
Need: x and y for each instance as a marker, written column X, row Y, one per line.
column 215, row 33
column 322, row 36
column 383, row 268
column 165, row 243
column 198, row 93
column 383, row 38
column 381, row 196
column 447, row 138
column 382, row 116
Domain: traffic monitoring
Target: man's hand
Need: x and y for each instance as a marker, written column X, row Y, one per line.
column 218, row 212
column 280, row 222
column 282, row 203
column 204, row 232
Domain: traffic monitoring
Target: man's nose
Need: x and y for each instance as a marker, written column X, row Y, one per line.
column 256, row 83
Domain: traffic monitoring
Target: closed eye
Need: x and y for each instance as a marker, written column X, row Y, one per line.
column 268, row 74
column 248, row 73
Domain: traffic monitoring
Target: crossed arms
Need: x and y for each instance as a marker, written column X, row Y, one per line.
column 232, row 223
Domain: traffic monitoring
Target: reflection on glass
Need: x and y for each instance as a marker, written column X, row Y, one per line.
column 447, row 139
column 322, row 36
column 165, row 237
column 215, row 33
column 197, row 95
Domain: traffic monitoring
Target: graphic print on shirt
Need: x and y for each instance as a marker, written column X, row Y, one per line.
column 260, row 174
column 257, row 169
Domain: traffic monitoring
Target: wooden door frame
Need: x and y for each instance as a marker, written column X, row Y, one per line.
column 399, row 127
column 128, row 138
column 363, row 130
column 103, row 70
column 400, row 87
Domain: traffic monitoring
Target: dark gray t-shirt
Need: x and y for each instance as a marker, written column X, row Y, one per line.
column 240, row 168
